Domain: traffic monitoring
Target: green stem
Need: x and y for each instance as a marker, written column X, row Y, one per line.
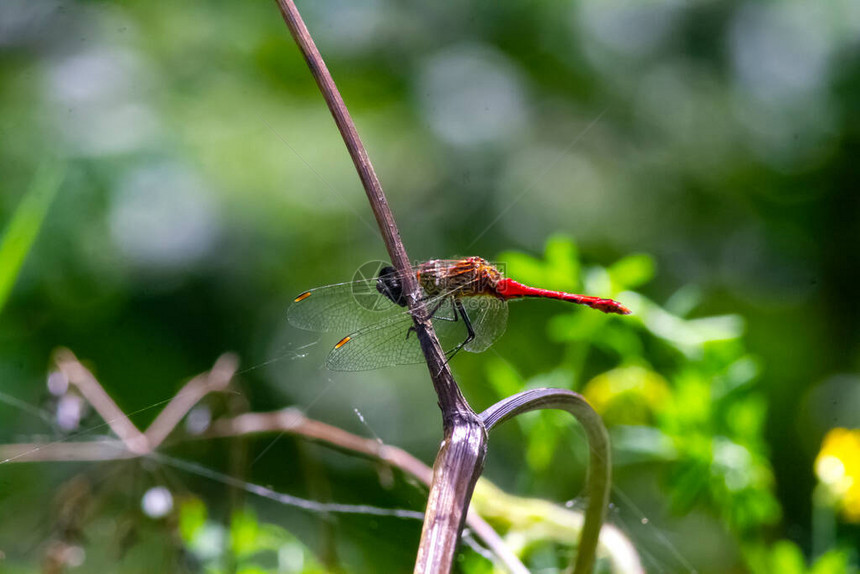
column 599, row 477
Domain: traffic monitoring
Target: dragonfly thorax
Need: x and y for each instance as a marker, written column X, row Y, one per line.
column 469, row 276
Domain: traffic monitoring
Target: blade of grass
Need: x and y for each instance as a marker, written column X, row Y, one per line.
column 24, row 227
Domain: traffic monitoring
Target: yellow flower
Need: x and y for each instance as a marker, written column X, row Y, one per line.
column 838, row 469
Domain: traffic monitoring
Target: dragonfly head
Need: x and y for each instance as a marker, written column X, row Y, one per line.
column 388, row 283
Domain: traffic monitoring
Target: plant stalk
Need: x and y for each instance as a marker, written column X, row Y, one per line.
column 461, row 458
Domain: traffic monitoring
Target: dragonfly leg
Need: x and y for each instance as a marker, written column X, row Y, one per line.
column 432, row 315
column 458, row 305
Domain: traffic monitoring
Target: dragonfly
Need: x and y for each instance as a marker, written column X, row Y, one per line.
column 466, row 299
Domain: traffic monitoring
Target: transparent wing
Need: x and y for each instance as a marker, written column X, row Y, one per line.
column 341, row 308
column 489, row 316
column 390, row 342
column 383, row 344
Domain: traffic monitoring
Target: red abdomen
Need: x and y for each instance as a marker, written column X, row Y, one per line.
column 510, row 289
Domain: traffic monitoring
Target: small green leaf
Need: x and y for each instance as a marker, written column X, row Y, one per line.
column 470, row 562
column 619, row 338
column 503, row 378
column 524, row 268
column 787, row 558
column 575, row 326
column 684, row 300
column 244, row 531
column 192, row 517
column 543, row 440
column 24, row 227
column 562, row 263
column 831, row 562
column 559, row 268
column 632, row 271
column 745, row 418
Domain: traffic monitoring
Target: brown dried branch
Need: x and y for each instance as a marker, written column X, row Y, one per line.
column 288, row 420
column 451, row 400
column 79, row 376
column 136, row 442
column 295, row 422
column 461, row 459
column 65, row 451
column 194, row 390
column 132, row 443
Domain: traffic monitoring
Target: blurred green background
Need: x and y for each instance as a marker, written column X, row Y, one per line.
column 171, row 179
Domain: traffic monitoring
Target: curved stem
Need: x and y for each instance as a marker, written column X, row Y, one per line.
column 599, row 463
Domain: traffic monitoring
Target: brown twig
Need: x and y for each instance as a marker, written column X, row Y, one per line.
column 461, row 458
column 295, row 422
column 451, row 400
column 94, row 393
column 65, row 451
column 136, row 442
column 132, row 443
column 194, row 390
column 494, row 501
column 288, row 420
column 501, row 506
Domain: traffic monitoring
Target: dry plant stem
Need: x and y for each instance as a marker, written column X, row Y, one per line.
column 295, row 422
column 90, row 451
column 450, row 398
column 378, row 202
column 136, row 442
column 457, row 468
column 461, row 458
column 599, row 465
column 104, row 405
column 288, row 420
column 194, row 390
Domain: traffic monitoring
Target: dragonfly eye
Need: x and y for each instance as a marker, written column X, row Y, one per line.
column 388, row 283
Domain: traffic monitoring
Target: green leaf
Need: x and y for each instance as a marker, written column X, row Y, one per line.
column 244, row 531
column 562, row 258
column 524, row 268
column 559, row 268
column 470, row 562
column 192, row 518
column 577, row 325
column 745, row 418
column 24, row 227
column 787, row 558
column 619, row 338
column 503, row 378
column 832, row 562
column 542, row 441
column 632, row 271
column 684, row 300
